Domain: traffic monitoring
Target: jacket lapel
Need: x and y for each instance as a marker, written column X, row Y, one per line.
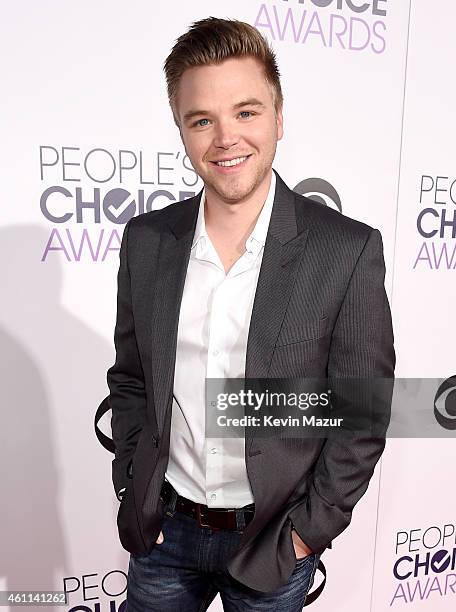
column 285, row 243
column 282, row 252
column 174, row 254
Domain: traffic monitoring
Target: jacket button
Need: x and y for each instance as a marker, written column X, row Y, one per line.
column 155, row 441
column 130, row 469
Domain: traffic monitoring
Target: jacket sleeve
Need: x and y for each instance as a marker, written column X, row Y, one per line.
column 361, row 347
column 125, row 378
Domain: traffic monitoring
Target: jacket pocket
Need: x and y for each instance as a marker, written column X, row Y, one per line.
column 303, row 332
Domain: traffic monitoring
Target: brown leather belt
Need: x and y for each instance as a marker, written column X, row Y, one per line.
column 211, row 518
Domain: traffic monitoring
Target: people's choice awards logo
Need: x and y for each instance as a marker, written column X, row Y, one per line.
column 425, row 564
column 95, row 592
column 88, row 196
column 445, row 404
column 436, row 223
column 321, row 191
column 336, row 24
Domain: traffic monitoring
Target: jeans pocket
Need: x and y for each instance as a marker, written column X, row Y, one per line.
column 304, row 560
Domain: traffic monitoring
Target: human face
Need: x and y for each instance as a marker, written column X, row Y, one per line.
column 226, row 112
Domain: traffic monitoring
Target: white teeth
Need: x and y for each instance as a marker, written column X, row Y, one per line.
column 232, row 162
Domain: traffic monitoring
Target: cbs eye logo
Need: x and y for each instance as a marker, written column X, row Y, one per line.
column 445, row 403
column 321, row 191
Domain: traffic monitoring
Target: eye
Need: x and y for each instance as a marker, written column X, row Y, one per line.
column 200, row 123
column 246, row 114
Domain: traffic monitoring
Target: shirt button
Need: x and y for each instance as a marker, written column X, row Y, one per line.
column 215, row 352
column 213, row 451
column 213, row 496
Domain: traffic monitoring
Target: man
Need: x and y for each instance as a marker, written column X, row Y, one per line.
column 246, row 279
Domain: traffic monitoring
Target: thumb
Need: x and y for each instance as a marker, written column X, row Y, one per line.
column 160, row 538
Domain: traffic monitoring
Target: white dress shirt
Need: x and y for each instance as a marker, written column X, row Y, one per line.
column 212, row 342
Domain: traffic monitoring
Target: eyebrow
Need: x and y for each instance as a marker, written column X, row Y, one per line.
column 250, row 102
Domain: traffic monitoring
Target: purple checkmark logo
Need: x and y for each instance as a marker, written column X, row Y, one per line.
column 440, row 561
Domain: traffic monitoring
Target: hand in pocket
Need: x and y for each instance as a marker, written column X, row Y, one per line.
column 301, row 549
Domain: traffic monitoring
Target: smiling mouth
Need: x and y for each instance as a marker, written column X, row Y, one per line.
column 231, row 162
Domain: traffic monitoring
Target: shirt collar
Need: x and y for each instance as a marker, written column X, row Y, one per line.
column 257, row 238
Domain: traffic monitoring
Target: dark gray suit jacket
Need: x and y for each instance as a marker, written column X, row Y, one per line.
column 320, row 309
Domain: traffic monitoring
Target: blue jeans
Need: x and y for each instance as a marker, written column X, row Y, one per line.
column 186, row 571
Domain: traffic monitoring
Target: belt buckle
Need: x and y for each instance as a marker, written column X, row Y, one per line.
column 199, row 517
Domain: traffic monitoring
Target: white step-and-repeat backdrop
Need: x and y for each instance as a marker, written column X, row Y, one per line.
column 88, row 141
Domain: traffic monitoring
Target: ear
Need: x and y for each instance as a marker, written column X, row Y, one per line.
column 176, row 123
column 181, row 136
column 279, row 121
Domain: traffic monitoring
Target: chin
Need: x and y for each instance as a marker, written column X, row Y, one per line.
column 234, row 194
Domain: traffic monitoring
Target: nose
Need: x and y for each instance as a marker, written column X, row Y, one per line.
column 226, row 134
